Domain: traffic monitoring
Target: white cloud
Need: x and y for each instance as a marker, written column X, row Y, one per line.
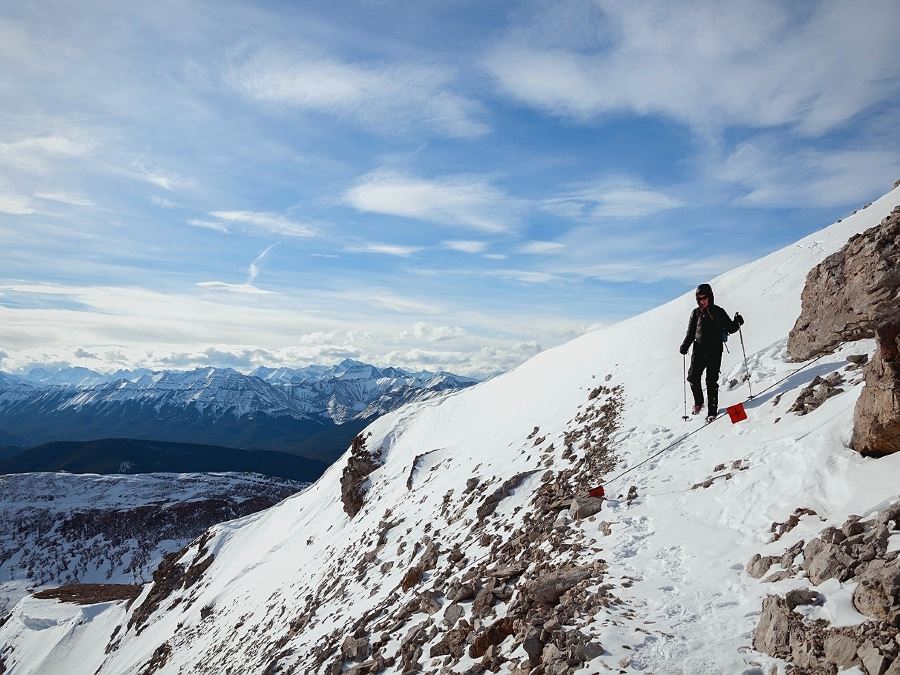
column 267, row 222
column 526, row 276
column 34, row 153
column 464, row 201
column 541, row 247
column 65, row 198
column 620, row 197
column 465, row 246
column 162, row 202
column 773, row 177
column 253, row 270
column 387, row 98
column 711, row 64
column 16, row 206
column 385, row 249
column 209, row 225
column 433, row 333
column 653, row 268
column 166, row 181
column 246, row 288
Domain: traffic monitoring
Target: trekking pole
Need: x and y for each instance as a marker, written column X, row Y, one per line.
column 684, row 384
column 746, row 368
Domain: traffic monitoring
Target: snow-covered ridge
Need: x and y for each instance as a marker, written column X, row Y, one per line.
column 339, row 393
column 421, row 576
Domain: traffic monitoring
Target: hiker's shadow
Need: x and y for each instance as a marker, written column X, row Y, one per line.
column 796, row 380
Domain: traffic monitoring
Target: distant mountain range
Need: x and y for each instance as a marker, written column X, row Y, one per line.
column 313, row 411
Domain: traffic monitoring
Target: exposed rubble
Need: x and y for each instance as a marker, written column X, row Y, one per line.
column 819, row 390
column 89, row 594
column 857, row 552
column 485, row 609
column 170, row 576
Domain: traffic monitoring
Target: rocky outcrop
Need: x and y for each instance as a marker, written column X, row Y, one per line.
column 876, row 427
column 855, row 294
column 816, row 393
column 359, row 465
column 850, row 293
column 856, row 552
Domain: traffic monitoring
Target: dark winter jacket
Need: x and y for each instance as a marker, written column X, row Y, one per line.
column 707, row 329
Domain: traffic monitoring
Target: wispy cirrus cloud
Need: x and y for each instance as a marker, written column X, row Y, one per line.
column 248, row 286
column 388, row 98
column 771, row 177
column 615, row 197
column 16, row 205
column 256, row 221
column 38, row 153
column 769, row 64
column 165, row 180
column 466, row 201
column 541, row 247
column 465, row 245
column 69, row 198
column 384, row 249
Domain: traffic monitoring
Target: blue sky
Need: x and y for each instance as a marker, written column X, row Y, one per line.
column 426, row 185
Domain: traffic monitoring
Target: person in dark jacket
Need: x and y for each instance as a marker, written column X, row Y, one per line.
column 707, row 329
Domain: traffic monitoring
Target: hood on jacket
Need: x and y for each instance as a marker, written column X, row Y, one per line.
column 706, row 289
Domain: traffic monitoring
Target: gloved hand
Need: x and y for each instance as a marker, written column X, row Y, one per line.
column 683, row 349
column 738, row 319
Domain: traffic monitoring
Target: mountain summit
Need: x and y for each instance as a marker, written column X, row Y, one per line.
column 457, row 535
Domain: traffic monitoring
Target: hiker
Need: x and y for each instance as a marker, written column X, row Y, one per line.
column 708, row 328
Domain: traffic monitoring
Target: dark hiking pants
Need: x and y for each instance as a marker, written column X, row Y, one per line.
column 711, row 362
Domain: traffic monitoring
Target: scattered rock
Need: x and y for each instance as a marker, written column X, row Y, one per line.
column 816, row 393
column 496, row 633
column 490, row 503
column 412, row 577
column 856, row 551
column 759, row 565
column 840, row 650
column 452, row 614
column 360, row 464
column 548, row 588
column 584, row 507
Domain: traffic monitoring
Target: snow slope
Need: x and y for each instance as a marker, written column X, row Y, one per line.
column 300, row 577
column 61, row 528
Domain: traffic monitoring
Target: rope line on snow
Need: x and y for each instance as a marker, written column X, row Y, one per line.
column 718, row 417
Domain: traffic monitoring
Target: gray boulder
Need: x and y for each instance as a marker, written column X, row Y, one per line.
column 548, row 588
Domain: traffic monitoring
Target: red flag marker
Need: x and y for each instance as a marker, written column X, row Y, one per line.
column 736, row 412
column 597, row 492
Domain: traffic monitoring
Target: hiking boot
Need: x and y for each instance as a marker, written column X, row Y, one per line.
column 696, row 409
column 710, row 418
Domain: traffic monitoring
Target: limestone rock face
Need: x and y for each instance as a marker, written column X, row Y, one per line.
column 876, row 424
column 855, row 294
column 850, row 293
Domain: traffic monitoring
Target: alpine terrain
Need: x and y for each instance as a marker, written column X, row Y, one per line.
column 457, row 535
column 58, row 529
